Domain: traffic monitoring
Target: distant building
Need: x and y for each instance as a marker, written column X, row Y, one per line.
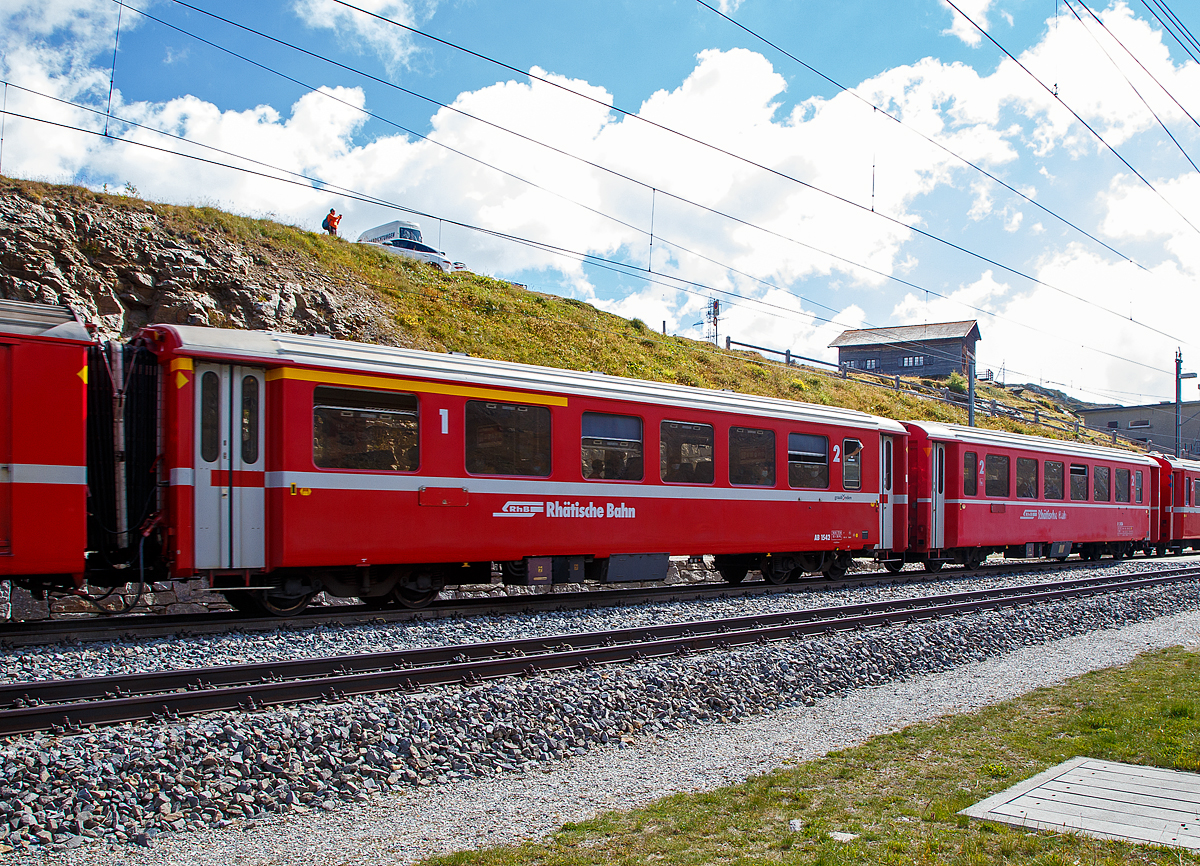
column 1153, row 423
column 910, row 350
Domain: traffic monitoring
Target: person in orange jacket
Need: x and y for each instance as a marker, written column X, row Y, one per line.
column 330, row 223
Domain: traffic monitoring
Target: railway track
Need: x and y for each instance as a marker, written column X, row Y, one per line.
column 143, row 625
column 71, row 704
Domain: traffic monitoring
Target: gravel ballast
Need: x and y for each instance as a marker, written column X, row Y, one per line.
column 144, row 784
column 120, row 657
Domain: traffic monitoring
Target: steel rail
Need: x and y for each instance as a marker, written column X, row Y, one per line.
column 144, row 625
column 341, row 676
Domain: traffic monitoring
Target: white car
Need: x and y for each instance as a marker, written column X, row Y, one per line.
column 414, row 250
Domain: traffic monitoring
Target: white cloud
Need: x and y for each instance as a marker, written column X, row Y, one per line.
column 366, row 33
column 977, row 11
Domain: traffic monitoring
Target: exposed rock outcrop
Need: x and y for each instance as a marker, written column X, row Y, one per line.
column 122, row 263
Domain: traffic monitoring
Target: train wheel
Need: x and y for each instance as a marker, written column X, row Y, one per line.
column 893, row 565
column 836, row 570
column 277, row 604
column 734, row 574
column 777, row 578
column 1118, row 552
column 975, row 559
column 933, row 565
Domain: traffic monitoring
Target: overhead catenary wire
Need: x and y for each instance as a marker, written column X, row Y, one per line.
column 772, row 171
column 654, row 191
column 1186, row 41
column 931, row 140
column 1095, row 133
column 1132, row 86
column 648, row 186
column 676, row 282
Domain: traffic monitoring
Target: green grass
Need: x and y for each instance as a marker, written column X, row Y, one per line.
column 901, row 793
column 492, row 318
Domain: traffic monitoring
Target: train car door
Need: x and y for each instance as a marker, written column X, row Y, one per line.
column 230, row 477
column 5, row 456
column 886, row 483
column 937, row 516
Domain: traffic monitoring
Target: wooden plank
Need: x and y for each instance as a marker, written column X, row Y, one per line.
column 1073, row 813
column 1135, row 801
column 1053, row 819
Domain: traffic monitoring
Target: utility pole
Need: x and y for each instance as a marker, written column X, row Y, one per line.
column 1179, row 377
column 971, row 390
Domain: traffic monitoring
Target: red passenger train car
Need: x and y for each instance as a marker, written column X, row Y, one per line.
column 978, row 492
column 297, row 464
column 1178, row 491
column 43, row 443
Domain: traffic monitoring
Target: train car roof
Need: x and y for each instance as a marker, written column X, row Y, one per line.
column 1178, row 462
column 40, row 320
column 274, row 348
column 983, row 437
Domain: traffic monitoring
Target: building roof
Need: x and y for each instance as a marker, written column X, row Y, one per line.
column 907, row 334
column 1161, row 406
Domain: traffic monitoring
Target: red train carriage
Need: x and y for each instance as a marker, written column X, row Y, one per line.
column 43, row 473
column 985, row 491
column 1178, row 492
column 301, row 463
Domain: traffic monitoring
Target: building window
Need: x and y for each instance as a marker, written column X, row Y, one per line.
column 1052, row 486
column 1027, row 478
column 851, row 464
column 870, row 363
column 374, row 430
column 751, row 456
column 612, row 447
column 686, row 453
column 1079, row 485
column 913, row 361
column 1101, row 492
column 970, row 478
column 1113, row 425
column 1134, row 425
column 808, row 461
column 507, row 439
column 995, row 475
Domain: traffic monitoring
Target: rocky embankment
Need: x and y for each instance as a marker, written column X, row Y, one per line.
column 122, row 263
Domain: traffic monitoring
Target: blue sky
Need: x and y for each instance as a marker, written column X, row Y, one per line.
column 796, row 265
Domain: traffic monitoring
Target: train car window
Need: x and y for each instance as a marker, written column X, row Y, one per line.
column 686, row 453
column 995, row 475
column 1137, row 487
column 249, row 420
column 970, row 477
column 751, row 456
column 612, row 447
column 210, row 417
column 1052, row 485
column 507, row 439
column 1187, row 492
column 1079, row 485
column 373, row 430
column 1121, row 485
column 852, row 451
column 808, row 461
column 1100, row 484
column 1027, row 478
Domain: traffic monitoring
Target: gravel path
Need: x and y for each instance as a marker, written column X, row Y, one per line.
column 106, row 658
column 689, row 748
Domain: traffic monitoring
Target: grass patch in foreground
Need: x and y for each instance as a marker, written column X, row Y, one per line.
column 900, row 793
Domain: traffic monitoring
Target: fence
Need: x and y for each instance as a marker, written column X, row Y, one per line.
column 944, row 395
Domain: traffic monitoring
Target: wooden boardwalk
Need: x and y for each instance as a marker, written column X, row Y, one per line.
column 1105, row 800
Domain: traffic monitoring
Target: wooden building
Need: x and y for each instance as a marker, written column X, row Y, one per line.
column 910, row 350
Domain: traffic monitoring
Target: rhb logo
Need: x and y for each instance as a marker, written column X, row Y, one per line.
column 519, row 509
